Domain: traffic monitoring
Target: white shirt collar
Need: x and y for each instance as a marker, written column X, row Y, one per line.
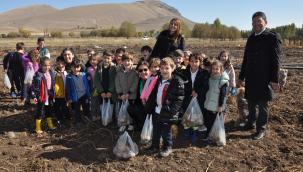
column 256, row 34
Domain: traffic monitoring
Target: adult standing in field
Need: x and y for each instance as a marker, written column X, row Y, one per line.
column 259, row 70
column 43, row 51
column 68, row 55
column 169, row 40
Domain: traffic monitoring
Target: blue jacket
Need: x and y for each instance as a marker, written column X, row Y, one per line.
column 70, row 87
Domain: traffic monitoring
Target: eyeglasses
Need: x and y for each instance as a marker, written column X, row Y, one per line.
column 141, row 70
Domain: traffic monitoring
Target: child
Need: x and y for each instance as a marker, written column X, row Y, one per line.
column 126, row 83
column 43, row 83
column 104, row 80
column 136, row 111
column 95, row 103
column 151, row 80
column 216, row 95
column 118, row 56
column 43, row 51
column 178, row 60
column 31, row 66
column 78, row 91
column 225, row 59
column 186, row 58
column 145, row 53
column 13, row 66
column 165, row 103
column 90, row 53
column 196, row 86
column 207, row 64
column 60, row 108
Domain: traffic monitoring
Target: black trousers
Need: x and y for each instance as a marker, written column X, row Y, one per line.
column 44, row 110
column 261, row 121
column 209, row 119
column 16, row 78
column 161, row 129
column 61, row 110
column 76, row 106
column 137, row 113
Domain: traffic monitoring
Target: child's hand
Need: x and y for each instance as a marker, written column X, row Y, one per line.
column 194, row 94
column 35, row 100
column 89, row 78
column 220, row 109
column 108, row 95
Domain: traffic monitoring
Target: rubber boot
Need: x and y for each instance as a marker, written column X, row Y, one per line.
column 38, row 126
column 50, row 123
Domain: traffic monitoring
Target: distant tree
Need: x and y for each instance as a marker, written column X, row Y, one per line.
column 71, row 34
column 84, row 34
column 127, row 30
column 24, row 33
column 56, row 34
column 13, row 35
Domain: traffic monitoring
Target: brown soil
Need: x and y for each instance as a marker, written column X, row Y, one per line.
column 90, row 148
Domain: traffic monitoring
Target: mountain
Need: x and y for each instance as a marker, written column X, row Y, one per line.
column 147, row 15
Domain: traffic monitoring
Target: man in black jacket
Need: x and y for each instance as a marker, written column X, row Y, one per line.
column 259, row 69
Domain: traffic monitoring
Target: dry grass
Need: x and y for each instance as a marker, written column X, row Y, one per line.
column 9, row 43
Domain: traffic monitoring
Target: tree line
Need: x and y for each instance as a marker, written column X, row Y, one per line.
column 215, row 30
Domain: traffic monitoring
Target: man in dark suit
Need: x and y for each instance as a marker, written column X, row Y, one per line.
column 259, row 69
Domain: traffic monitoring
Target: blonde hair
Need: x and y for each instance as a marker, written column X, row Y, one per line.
column 168, row 61
column 217, row 63
column 155, row 62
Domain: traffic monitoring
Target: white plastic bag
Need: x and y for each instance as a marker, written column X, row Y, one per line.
column 7, row 83
column 107, row 112
column 28, row 79
column 193, row 116
column 123, row 116
column 147, row 130
column 117, row 109
column 125, row 147
column 217, row 132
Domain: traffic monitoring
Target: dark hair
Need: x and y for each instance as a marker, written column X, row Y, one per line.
column 206, row 62
column 143, row 63
column 19, row 45
column 60, row 59
column 40, row 39
column 69, row 49
column 178, row 53
column 127, row 57
column 120, row 50
column 259, row 14
column 146, row 48
column 76, row 63
column 42, row 62
column 107, row 53
column 228, row 61
column 196, row 56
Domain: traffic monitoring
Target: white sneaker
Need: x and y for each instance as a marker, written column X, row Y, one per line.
column 202, row 128
column 130, row 128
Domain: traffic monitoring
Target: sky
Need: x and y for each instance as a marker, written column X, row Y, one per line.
column 230, row 12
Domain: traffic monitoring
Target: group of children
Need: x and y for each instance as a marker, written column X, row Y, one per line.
column 161, row 87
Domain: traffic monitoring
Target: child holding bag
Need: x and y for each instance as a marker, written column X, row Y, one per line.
column 216, row 95
column 165, row 103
